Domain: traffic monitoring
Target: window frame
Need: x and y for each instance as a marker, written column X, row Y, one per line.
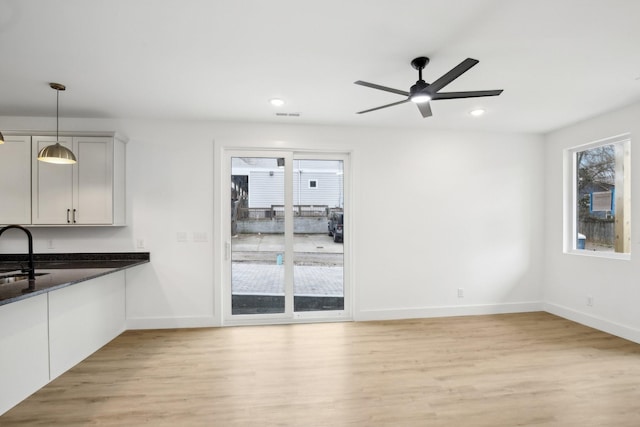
column 571, row 192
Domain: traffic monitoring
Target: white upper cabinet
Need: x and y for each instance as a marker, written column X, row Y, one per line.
column 51, row 185
column 15, row 180
column 90, row 192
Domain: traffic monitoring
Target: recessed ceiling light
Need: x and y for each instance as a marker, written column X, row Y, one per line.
column 276, row 102
column 477, row 112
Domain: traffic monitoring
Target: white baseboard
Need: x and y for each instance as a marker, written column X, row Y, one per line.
column 447, row 311
column 595, row 322
column 171, row 322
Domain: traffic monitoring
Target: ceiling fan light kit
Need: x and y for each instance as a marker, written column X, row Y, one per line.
column 420, row 98
column 422, row 93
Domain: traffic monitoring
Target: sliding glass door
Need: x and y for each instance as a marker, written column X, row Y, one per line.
column 318, row 235
column 285, row 249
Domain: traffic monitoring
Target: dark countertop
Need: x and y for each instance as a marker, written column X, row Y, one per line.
column 55, row 271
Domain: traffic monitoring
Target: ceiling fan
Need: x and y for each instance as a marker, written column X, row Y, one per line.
column 422, row 92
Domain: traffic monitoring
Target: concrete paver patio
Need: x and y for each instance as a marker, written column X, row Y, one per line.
column 318, row 269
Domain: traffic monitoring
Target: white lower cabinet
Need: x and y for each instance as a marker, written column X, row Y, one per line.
column 44, row 336
column 24, row 350
column 83, row 318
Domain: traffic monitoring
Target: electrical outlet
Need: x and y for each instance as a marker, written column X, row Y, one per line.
column 140, row 243
column 460, row 293
column 50, row 244
column 589, row 301
column 181, row 236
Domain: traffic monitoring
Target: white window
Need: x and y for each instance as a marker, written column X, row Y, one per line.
column 599, row 195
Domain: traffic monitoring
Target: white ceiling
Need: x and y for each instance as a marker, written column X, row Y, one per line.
column 558, row 61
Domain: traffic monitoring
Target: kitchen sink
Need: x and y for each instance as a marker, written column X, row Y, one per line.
column 17, row 277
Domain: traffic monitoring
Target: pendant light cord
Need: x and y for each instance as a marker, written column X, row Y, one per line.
column 57, row 114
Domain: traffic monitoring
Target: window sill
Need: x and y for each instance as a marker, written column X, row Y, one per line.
column 596, row 254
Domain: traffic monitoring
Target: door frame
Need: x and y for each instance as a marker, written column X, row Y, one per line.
column 223, row 258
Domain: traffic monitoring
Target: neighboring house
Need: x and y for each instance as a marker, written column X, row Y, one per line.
column 315, row 182
column 585, row 195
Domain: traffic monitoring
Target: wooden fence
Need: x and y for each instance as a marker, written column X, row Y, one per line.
column 598, row 231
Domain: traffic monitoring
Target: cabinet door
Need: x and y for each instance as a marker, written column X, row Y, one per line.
column 83, row 318
column 15, row 180
column 52, row 195
column 24, row 350
column 93, row 180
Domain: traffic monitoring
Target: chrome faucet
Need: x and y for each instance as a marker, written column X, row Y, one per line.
column 31, row 270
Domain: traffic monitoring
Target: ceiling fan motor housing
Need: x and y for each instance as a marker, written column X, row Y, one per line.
column 420, row 86
column 417, row 88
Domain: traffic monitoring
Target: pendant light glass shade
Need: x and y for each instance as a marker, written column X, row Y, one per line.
column 57, row 153
column 1, row 138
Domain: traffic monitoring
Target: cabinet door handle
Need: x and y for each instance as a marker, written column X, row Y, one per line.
column 68, row 220
column 74, row 216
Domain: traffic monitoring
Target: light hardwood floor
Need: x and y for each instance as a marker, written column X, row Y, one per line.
column 498, row 370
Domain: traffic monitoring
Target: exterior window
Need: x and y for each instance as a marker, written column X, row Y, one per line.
column 602, row 197
column 313, row 183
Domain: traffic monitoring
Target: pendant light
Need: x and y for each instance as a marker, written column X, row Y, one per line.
column 56, row 153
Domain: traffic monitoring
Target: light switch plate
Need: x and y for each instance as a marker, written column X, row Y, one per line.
column 199, row 236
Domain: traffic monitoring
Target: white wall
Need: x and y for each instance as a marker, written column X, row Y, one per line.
column 612, row 283
column 477, row 200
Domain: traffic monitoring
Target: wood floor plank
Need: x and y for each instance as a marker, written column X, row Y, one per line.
column 500, row 370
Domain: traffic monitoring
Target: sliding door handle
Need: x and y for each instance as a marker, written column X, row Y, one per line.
column 227, row 250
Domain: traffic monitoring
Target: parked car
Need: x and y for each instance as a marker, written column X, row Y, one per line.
column 336, row 226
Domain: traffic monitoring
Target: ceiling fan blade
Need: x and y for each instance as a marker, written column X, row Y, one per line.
column 470, row 94
column 386, row 89
column 453, row 74
column 425, row 109
column 384, row 106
